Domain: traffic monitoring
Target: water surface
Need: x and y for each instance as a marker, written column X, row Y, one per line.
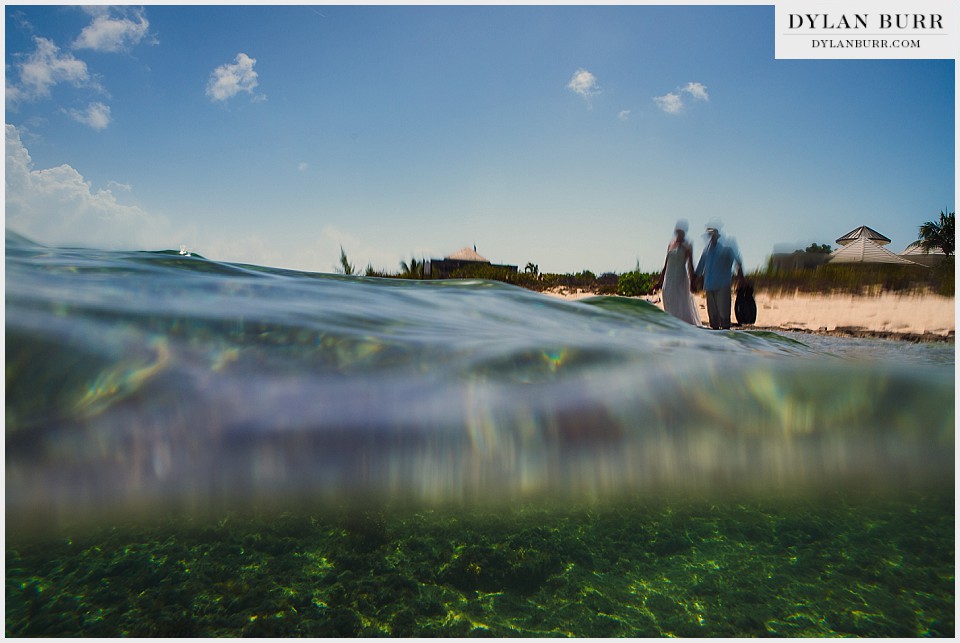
column 236, row 449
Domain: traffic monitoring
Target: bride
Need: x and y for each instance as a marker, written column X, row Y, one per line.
column 676, row 279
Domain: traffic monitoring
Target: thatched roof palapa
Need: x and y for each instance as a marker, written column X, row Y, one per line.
column 464, row 259
column 467, row 254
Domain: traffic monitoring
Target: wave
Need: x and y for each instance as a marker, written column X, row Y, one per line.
column 143, row 380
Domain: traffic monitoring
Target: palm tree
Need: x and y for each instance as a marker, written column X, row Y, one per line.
column 346, row 267
column 937, row 235
column 412, row 270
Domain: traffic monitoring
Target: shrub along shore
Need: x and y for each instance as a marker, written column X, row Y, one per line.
column 853, row 279
column 909, row 302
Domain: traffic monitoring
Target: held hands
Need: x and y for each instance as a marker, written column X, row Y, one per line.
column 695, row 283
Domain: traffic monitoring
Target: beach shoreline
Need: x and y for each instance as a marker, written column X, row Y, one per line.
column 909, row 317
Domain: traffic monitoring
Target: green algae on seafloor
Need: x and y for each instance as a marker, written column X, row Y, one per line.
column 830, row 567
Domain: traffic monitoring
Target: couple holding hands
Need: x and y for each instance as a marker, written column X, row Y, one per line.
column 714, row 272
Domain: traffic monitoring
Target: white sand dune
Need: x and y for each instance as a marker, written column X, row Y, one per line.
column 884, row 313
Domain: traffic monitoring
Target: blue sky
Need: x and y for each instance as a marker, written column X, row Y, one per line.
column 570, row 137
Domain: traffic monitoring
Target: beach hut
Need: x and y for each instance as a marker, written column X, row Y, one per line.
column 864, row 245
column 916, row 254
column 462, row 259
column 467, row 254
column 864, row 250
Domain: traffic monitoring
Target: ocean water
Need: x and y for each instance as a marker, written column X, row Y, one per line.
column 201, row 448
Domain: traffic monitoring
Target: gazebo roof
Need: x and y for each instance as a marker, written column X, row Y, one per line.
column 863, row 232
column 917, row 250
column 864, row 250
column 468, row 254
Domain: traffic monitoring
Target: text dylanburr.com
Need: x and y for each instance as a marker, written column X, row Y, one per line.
column 857, row 29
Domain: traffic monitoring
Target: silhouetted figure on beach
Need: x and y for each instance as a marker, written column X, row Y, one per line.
column 677, row 280
column 716, row 267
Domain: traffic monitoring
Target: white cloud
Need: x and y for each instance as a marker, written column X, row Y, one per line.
column 697, row 90
column 111, row 30
column 584, row 83
column 97, row 115
column 624, row 114
column 46, row 67
column 226, row 81
column 672, row 103
column 57, row 206
column 113, row 33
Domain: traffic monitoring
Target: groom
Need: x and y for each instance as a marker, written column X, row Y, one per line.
column 715, row 266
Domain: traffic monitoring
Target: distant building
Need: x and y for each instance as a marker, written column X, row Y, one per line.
column 865, row 245
column 461, row 260
column 916, row 254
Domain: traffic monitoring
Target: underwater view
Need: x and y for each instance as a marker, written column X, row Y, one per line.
column 196, row 448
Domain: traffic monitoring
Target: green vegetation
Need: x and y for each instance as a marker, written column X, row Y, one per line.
column 345, row 268
column 824, row 567
column 492, row 273
column 636, row 283
column 531, row 278
column 586, row 280
column 413, row 269
column 867, row 278
column 813, row 248
column 937, row 235
column 804, row 271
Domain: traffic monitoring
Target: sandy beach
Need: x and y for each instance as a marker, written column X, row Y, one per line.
column 887, row 314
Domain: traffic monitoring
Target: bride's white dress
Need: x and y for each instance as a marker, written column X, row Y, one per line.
column 677, row 299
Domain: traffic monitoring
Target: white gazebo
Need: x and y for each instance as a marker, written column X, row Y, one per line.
column 864, row 245
column 916, row 254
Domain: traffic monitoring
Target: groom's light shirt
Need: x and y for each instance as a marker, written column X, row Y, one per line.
column 716, row 264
